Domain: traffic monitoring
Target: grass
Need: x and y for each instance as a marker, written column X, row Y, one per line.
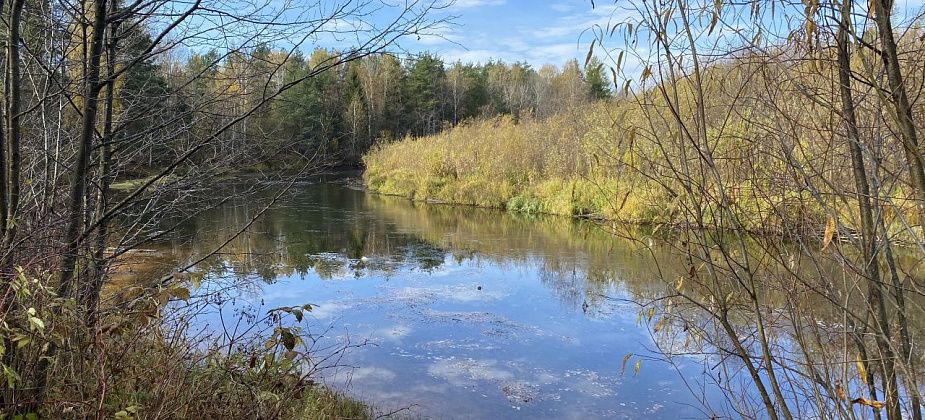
column 603, row 161
column 531, row 167
column 323, row 404
column 131, row 184
column 145, row 361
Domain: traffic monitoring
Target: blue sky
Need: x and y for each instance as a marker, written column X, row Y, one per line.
column 538, row 32
column 532, row 31
column 541, row 32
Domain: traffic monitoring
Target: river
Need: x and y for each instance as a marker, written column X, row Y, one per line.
column 450, row 312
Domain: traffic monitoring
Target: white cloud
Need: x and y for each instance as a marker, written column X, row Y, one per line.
column 439, row 36
column 561, row 7
column 329, row 309
column 466, row 371
column 463, row 4
column 394, row 333
column 552, row 52
column 535, row 55
column 474, row 56
column 575, row 24
column 563, row 35
column 365, row 375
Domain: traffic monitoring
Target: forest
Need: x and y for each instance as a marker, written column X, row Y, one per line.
column 339, row 113
column 764, row 156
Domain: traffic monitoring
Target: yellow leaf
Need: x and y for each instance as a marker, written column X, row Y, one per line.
column 829, row 233
column 625, row 359
column 636, row 367
column 862, row 372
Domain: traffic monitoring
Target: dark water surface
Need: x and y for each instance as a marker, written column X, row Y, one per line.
column 457, row 312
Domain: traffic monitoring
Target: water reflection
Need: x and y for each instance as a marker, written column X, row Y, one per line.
column 332, row 230
column 473, row 312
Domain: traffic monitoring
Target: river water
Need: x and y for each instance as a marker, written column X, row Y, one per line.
column 451, row 312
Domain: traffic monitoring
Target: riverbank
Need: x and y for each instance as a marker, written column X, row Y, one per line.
column 589, row 163
column 530, row 167
column 155, row 362
column 149, row 356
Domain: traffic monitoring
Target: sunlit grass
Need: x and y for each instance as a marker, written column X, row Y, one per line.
column 598, row 161
column 131, row 184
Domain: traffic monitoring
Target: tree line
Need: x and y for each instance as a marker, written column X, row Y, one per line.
column 343, row 111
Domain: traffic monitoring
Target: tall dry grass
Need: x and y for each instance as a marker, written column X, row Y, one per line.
column 609, row 160
column 556, row 165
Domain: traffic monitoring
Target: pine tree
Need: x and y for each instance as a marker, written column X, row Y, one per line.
column 596, row 79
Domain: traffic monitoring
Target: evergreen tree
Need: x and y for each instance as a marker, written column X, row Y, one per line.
column 596, row 79
column 354, row 115
column 424, row 90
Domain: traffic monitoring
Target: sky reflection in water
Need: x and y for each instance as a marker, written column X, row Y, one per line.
column 467, row 313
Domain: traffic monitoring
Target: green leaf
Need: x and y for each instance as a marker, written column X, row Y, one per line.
column 11, row 377
column 22, row 341
column 36, row 323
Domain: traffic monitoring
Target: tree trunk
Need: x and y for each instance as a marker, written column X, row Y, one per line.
column 902, row 108
column 868, row 231
column 78, row 186
column 92, row 293
column 14, row 109
column 79, row 180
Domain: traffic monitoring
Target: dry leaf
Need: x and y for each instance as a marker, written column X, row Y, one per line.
column 862, row 371
column 829, row 233
column 626, row 359
column 839, row 391
column 876, row 405
column 659, row 325
column 590, row 53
